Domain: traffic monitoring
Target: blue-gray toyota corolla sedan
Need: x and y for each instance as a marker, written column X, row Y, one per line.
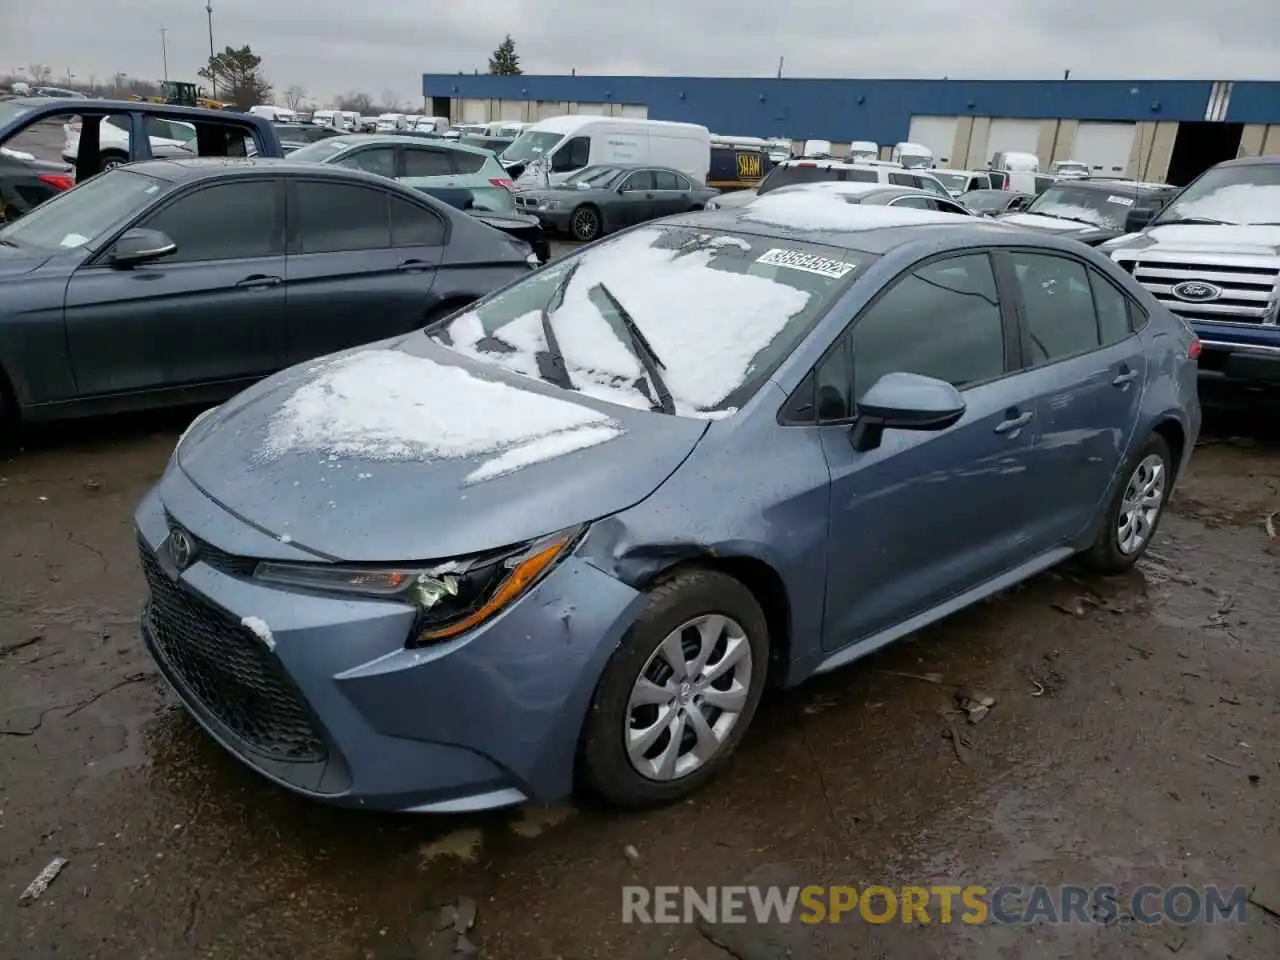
column 569, row 536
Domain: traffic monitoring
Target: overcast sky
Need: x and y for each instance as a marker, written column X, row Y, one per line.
column 331, row 46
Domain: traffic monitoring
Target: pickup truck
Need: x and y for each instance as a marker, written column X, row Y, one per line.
column 1212, row 256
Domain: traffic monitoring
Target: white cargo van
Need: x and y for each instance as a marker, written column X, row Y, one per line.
column 817, row 150
column 274, row 114
column 328, row 118
column 389, row 122
column 569, row 143
column 912, row 155
column 1019, row 170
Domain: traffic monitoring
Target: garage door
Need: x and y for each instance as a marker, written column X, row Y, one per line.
column 1013, row 136
column 936, row 133
column 1105, row 147
column 636, row 111
column 475, row 111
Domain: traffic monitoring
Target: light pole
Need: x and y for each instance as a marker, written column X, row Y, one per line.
column 164, row 52
column 213, row 80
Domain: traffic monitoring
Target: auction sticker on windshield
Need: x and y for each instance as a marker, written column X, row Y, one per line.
column 808, row 262
column 1123, row 201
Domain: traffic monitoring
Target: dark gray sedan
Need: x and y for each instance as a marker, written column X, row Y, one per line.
column 182, row 281
column 608, row 197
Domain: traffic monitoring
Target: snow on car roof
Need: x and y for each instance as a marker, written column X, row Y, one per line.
column 810, row 210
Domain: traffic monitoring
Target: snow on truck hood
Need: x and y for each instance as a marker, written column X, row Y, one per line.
column 1034, row 221
column 1207, row 238
column 402, row 451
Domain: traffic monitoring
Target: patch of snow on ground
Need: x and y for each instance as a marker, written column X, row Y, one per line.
column 809, row 210
column 259, row 629
column 543, row 449
column 385, row 405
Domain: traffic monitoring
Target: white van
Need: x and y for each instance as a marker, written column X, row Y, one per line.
column 860, row 151
column 568, row 143
column 505, row 128
column 816, row 149
column 914, row 156
column 274, row 114
column 780, row 148
column 350, row 120
column 329, row 118
column 1019, row 169
column 389, row 122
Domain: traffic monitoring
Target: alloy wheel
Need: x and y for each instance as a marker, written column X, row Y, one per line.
column 688, row 697
column 585, row 224
column 1140, row 507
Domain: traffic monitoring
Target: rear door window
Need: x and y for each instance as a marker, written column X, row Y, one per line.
column 333, row 217
column 1060, row 319
column 466, row 163
column 412, row 226
column 665, row 180
column 379, row 160
column 422, row 162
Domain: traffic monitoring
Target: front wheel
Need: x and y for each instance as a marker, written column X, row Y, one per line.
column 1135, row 510
column 678, row 694
column 112, row 160
column 585, row 224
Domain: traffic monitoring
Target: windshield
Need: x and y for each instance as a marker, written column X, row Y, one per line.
column 915, row 163
column 593, row 176
column 715, row 313
column 322, row 150
column 952, row 181
column 1243, row 194
column 986, row 201
column 530, row 145
column 1099, row 207
column 81, row 216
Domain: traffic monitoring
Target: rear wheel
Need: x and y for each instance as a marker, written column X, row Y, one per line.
column 111, row 159
column 678, row 694
column 585, row 223
column 1136, row 507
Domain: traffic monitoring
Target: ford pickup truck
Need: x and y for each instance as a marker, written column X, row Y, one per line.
column 1212, row 256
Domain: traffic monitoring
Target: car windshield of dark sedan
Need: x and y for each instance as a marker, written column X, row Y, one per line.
column 1102, row 208
column 322, row 150
column 679, row 318
column 593, row 176
column 82, row 216
column 986, row 201
column 1247, row 194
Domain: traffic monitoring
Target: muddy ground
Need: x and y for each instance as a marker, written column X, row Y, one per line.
column 1135, row 739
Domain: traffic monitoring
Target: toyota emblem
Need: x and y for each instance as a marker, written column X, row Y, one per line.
column 1197, row 291
column 181, row 548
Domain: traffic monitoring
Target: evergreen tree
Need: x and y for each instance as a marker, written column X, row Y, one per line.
column 505, row 61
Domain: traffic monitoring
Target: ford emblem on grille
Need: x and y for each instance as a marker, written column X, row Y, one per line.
column 182, row 548
column 1197, row 291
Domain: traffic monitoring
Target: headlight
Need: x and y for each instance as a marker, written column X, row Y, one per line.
column 549, row 205
column 451, row 597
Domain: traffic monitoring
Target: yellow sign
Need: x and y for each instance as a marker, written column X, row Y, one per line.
column 750, row 166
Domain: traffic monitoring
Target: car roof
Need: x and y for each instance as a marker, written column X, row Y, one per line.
column 408, row 140
column 1263, row 161
column 187, row 170
column 55, row 105
column 874, row 230
column 851, row 188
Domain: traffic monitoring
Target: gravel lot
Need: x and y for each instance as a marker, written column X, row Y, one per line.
column 1135, row 739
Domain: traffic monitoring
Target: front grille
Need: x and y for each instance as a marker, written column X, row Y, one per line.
column 225, row 668
column 1250, row 286
column 228, row 563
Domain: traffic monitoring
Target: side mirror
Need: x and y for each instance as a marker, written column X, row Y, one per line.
column 140, row 246
column 1139, row 217
column 904, row 401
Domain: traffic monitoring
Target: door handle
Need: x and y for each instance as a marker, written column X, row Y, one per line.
column 648, row 196
column 413, row 266
column 1127, row 377
column 1014, row 424
column 259, row 281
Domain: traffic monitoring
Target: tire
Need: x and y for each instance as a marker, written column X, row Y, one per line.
column 677, row 605
column 585, row 223
column 111, row 160
column 1109, row 553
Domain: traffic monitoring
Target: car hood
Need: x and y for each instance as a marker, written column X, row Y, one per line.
column 1034, row 221
column 16, row 262
column 364, row 456
column 1207, row 238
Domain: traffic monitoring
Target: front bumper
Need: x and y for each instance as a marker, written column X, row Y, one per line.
column 335, row 707
column 1238, row 362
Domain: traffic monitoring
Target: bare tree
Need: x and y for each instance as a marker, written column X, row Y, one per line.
column 41, row 73
column 356, row 102
column 390, row 103
column 293, row 97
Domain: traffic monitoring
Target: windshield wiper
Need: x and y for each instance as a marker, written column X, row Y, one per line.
column 1063, row 216
column 556, row 371
column 649, row 359
column 1194, row 221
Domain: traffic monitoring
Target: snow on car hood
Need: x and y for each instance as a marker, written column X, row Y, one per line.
column 402, row 450
column 1034, row 221
column 1207, row 238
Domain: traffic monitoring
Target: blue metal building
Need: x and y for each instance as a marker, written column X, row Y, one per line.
column 887, row 111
